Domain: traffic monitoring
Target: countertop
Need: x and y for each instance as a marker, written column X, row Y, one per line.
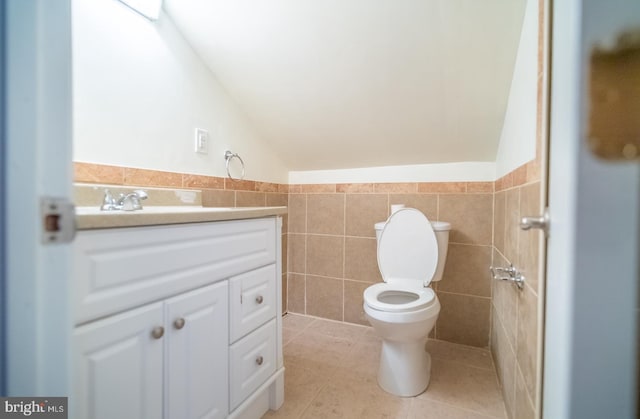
column 89, row 218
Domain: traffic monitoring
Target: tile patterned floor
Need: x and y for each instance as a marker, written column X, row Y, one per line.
column 331, row 373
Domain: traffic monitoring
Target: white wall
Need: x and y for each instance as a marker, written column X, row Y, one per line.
column 140, row 91
column 518, row 139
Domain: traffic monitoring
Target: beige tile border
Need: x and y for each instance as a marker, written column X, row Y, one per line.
column 98, row 173
column 116, row 175
column 355, row 188
column 527, row 173
column 395, row 188
column 313, row 188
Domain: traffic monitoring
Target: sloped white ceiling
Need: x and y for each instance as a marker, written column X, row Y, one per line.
column 337, row 84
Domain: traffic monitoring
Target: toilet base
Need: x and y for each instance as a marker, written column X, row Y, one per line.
column 405, row 368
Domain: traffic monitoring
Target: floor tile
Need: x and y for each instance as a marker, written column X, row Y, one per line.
column 296, row 321
column 321, row 351
column 356, row 398
column 336, row 329
column 471, row 388
column 331, row 372
column 370, row 336
column 473, row 357
column 430, row 409
column 363, row 360
column 288, row 334
column 301, row 386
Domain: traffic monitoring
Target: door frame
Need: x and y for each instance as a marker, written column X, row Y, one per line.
column 38, row 164
column 3, row 314
column 592, row 266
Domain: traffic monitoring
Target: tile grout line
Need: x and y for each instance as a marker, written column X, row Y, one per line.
column 469, row 347
column 493, row 242
column 315, row 396
column 453, row 405
column 504, row 390
column 344, row 255
column 464, row 295
column 306, row 216
column 466, row 365
column 526, row 390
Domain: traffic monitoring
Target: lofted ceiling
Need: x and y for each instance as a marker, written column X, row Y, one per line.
column 335, row 84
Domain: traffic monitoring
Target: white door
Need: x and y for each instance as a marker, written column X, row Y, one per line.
column 592, row 262
column 118, row 366
column 38, row 164
column 197, row 354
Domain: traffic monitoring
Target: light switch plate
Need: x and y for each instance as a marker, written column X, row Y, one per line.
column 202, row 141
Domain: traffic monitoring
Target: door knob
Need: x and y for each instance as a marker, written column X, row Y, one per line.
column 179, row 323
column 540, row 223
column 157, row 332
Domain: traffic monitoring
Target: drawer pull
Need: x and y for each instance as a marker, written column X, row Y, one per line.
column 259, row 360
column 259, row 299
column 179, row 323
column 157, row 332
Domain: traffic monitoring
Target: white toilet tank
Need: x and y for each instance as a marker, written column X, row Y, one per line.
column 441, row 228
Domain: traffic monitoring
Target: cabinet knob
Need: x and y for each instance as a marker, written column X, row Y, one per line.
column 259, row 360
column 259, row 299
column 179, row 323
column 157, row 332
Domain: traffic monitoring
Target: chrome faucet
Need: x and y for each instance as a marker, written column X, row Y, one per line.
column 108, row 203
column 128, row 202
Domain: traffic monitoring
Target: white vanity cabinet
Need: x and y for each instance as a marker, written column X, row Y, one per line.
column 122, row 361
column 178, row 321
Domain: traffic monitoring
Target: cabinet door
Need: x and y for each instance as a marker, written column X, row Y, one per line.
column 253, row 301
column 118, row 366
column 197, row 372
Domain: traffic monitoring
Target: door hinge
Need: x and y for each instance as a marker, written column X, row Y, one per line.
column 58, row 220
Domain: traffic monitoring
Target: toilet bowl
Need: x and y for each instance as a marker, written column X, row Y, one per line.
column 403, row 309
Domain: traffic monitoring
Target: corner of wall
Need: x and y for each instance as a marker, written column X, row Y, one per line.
column 518, row 137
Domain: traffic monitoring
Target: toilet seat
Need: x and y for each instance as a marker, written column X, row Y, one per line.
column 389, row 297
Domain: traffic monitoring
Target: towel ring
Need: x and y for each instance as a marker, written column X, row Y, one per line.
column 228, row 156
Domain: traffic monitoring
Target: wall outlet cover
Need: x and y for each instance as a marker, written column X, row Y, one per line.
column 202, row 141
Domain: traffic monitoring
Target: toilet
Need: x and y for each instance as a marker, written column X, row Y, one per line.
column 403, row 309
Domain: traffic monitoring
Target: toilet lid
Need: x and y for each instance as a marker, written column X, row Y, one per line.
column 407, row 249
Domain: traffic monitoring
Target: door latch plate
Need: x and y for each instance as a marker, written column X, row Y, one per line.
column 58, row 220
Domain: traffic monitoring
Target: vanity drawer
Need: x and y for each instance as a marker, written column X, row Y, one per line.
column 121, row 268
column 252, row 300
column 251, row 361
